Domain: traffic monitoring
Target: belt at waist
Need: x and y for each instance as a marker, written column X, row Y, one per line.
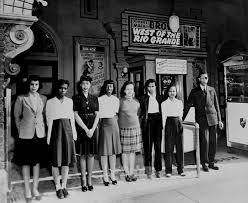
column 173, row 117
column 88, row 114
column 154, row 115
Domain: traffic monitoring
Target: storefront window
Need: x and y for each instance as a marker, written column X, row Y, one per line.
column 237, row 83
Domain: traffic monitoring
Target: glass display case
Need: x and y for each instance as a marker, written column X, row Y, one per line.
column 236, row 92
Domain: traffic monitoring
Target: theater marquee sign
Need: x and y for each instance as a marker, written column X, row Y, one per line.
column 142, row 31
column 152, row 32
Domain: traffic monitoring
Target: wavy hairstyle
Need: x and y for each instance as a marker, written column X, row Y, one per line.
column 29, row 80
column 148, row 82
column 122, row 92
column 103, row 88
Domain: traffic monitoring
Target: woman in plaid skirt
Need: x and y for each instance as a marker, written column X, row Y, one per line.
column 130, row 131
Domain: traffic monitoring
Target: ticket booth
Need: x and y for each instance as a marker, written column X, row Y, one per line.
column 171, row 71
column 236, row 94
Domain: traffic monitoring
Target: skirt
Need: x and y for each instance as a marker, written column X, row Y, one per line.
column 31, row 151
column 62, row 146
column 84, row 144
column 131, row 140
column 109, row 137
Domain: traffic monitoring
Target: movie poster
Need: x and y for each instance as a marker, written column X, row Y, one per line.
column 189, row 36
column 91, row 63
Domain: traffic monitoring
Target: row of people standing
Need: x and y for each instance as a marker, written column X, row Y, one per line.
column 115, row 137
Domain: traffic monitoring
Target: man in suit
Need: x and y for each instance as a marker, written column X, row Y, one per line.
column 151, row 125
column 207, row 115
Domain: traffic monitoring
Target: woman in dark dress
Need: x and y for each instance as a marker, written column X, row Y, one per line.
column 86, row 109
column 61, row 135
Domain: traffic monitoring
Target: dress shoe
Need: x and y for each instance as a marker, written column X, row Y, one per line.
column 65, row 192
column 149, row 176
column 168, row 175
column 212, row 166
column 157, row 174
column 128, row 178
column 90, row 187
column 133, row 178
column 106, row 183
column 28, row 199
column 114, row 182
column 60, row 194
column 36, row 195
column 84, row 188
column 182, row 174
column 205, row 168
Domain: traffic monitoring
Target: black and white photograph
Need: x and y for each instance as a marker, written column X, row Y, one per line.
column 123, row 101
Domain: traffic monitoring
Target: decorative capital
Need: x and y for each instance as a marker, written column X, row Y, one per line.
column 18, row 39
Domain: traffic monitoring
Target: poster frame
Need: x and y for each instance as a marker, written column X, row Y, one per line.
column 89, row 42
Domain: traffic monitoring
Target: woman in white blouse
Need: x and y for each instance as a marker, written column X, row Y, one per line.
column 61, row 136
column 172, row 112
column 109, row 138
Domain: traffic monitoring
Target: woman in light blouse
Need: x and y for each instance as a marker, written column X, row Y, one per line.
column 61, row 136
column 172, row 112
column 109, row 138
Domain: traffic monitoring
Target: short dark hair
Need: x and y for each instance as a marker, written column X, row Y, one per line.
column 122, row 92
column 85, row 78
column 168, row 88
column 148, row 82
column 30, row 79
column 202, row 72
column 58, row 84
column 61, row 82
column 103, row 88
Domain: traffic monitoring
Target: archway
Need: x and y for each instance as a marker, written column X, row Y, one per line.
column 43, row 59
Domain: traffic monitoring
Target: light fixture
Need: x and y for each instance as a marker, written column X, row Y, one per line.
column 174, row 23
column 44, row 3
column 174, row 19
column 124, row 71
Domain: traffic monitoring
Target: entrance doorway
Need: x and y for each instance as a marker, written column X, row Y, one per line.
column 164, row 81
column 137, row 77
column 42, row 60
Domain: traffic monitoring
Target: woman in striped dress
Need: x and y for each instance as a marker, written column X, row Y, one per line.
column 130, row 131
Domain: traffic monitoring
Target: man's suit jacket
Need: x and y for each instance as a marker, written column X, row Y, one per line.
column 144, row 101
column 212, row 111
column 28, row 121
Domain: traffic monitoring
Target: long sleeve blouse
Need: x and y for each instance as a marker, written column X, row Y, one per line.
column 171, row 108
column 59, row 110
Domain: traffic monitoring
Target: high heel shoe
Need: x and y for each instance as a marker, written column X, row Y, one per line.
column 36, row 195
column 114, row 182
column 84, row 188
column 28, row 199
column 90, row 187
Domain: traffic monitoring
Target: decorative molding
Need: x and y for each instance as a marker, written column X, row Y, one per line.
column 18, row 39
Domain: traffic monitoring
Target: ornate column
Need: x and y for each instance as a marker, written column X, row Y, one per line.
column 15, row 37
column 114, row 29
